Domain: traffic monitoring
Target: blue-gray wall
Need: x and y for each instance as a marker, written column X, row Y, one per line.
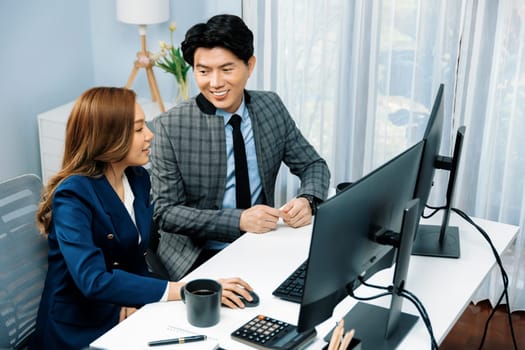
column 53, row 50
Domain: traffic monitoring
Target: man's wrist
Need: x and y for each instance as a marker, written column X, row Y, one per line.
column 312, row 201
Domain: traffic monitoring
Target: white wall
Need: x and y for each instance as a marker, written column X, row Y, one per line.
column 54, row 50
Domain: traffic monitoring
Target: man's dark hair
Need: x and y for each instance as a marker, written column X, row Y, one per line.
column 226, row 31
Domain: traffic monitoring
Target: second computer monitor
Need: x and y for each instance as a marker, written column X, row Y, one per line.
column 437, row 240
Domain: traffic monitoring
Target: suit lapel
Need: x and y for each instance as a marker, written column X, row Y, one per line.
column 211, row 138
column 264, row 140
column 114, row 207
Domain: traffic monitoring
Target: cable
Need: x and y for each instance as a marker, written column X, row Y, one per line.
column 417, row 303
column 424, row 315
column 361, row 279
column 504, row 277
column 493, row 311
column 434, row 211
column 405, row 294
column 412, row 298
column 351, row 293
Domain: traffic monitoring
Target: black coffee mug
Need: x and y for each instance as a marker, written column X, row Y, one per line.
column 203, row 302
column 342, row 186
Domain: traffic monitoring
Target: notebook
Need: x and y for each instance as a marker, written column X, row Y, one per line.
column 141, row 337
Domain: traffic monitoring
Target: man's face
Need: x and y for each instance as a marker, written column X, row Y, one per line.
column 221, row 76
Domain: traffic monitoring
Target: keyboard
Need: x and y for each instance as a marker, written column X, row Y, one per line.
column 293, row 287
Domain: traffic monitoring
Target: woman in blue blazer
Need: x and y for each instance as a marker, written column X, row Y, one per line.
column 96, row 214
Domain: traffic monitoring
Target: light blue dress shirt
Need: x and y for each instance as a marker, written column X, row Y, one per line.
column 229, row 200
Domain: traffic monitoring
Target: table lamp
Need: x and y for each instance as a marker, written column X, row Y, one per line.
column 144, row 12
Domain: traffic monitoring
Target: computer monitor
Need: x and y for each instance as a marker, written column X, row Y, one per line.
column 437, row 240
column 345, row 244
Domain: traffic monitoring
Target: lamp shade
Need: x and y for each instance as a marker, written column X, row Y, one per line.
column 143, row 11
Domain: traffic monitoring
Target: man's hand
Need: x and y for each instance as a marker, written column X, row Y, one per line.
column 259, row 219
column 297, row 212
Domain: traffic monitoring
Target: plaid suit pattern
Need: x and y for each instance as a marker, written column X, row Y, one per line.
column 189, row 172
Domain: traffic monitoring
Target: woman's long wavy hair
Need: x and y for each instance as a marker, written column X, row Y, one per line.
column 99, row 132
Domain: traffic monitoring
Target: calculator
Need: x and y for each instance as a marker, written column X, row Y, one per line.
column 267, row 333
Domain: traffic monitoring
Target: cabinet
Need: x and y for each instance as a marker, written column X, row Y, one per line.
column 52, row 128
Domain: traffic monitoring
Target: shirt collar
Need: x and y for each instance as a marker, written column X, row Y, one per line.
column 208, row 108
column 241, row 111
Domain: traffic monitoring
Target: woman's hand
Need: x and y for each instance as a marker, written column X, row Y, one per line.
column 231, row 289
column 125, row 312
column 338, row 342
column 174, row 290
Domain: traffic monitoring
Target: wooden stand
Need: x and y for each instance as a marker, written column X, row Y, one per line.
column 143, row 61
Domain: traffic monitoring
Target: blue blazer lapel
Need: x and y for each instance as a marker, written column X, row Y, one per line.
column 113, row 207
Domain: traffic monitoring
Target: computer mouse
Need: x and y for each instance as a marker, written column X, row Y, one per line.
column 253, row 303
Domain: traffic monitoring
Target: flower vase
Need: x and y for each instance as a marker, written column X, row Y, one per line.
column 180, row 91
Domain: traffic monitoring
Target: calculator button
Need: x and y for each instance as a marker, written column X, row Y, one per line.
column 264, row 332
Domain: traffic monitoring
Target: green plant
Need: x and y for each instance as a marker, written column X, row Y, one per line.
column 170, row 60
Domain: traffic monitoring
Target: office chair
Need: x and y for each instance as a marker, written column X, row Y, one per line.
column 155, row 266
column 23, row 260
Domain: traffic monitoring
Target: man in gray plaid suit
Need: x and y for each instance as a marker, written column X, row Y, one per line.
column 193, row 167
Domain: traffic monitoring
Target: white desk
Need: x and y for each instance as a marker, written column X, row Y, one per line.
column 445, row 287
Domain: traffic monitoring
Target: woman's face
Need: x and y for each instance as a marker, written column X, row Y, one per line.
column 142, row 136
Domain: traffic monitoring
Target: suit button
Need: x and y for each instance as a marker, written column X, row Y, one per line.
column 110, row 236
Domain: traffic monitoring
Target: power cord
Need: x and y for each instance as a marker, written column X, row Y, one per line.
column 407, row 295
column 504, row 275
column 434, row 211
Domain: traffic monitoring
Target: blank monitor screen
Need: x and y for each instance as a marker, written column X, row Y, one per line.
column 341, row 247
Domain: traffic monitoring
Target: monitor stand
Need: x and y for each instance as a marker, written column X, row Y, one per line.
column 365, row 318
column 381, row 328
column 442, row 241
column 428, row 242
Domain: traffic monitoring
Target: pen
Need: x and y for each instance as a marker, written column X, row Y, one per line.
column 180, row 340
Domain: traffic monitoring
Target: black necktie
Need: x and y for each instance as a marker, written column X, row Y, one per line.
column 242, row 181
